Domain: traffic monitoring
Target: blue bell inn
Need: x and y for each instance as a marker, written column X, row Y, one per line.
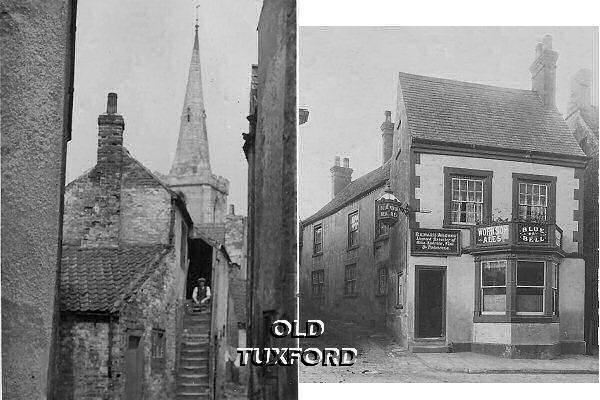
column 485, row 254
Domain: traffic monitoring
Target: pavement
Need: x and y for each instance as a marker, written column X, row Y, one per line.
column 382, row 359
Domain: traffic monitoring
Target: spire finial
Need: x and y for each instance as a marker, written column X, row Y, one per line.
column 197, row 7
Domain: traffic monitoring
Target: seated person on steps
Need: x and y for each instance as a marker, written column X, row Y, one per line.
column 201, row 294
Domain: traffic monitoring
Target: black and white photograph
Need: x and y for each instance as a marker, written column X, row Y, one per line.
column 448, row 202
column 145, row 147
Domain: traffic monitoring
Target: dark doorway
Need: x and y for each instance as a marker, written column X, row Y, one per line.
column 200, row 265
column 430, row 296
column 134, row 367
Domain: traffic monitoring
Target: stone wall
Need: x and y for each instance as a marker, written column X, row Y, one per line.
column 37, row 42
column 271, row 153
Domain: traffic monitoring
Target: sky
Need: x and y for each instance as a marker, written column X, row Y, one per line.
column 348, row 78
column 141, row 50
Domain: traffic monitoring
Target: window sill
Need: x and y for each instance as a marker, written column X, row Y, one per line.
column 317, row 254
column 353, row 247
column 353, row 295
column 447, row 225
column 516, row 319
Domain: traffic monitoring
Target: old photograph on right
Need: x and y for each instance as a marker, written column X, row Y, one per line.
column 448, row 202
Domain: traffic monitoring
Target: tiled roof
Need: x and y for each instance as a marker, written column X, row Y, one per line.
column 473, row 114
column 354, row 190
column 98, row 280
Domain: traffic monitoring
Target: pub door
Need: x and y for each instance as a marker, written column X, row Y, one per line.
column 430, row 296
column 134, row 367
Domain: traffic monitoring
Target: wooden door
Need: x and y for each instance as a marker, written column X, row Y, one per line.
column 134, row 367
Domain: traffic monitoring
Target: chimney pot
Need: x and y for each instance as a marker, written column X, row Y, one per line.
column 547, row 42
column 538, row 49
column 232, row 209
column 388, row 116
column 336, row 161
column 111, row 104
column 346, row 162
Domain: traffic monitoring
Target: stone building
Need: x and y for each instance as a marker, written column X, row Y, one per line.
column 582, row 119
column 36, row 126
column 270, row 148
column 128, row 268
column 340, row 276
column 489, row 183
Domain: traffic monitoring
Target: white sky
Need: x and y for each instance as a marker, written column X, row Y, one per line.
column 141, row 50
column 348, row 78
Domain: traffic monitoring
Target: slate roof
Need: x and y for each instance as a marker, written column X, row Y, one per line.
column 354, row 190
column 99, row 280
column 473, row 114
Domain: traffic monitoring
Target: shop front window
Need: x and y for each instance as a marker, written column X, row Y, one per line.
column 493, row 287
column 530, row 287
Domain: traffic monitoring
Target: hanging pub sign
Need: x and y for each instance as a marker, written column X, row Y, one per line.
column 493, row 235
column 388, row 208
column 435, row 242
column 532, row 233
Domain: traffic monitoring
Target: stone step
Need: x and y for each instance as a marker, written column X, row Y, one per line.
column 201, row 379
column 193, row 361
column 193, row 369
column 192, row 387
column 429, row 346
column 195, row 344
column 195, row 396
column 187, row 352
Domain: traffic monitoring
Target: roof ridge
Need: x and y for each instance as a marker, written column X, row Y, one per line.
column 469, row 84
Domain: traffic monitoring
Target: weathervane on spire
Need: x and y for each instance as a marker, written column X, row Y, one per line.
column 197, row 7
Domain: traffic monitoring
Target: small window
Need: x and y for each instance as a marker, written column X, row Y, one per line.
column 555, row 289
column 530, row 287
column 383, row 281
column 318, row 281
column 353, row 229
column 381, row 228
column 400, row 293
column 493, row 287
column 467, row 200
column 318, row 239
column 533, row 201
column 350, row 280
column 158, row 343
column 189, row 114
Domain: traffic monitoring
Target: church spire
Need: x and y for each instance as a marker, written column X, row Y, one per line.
column 191, row 157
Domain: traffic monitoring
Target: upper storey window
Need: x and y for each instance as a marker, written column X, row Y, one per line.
column 353, row 229
column 467, row 200
column 534, row 197
column 467, row 196
column 318, row 239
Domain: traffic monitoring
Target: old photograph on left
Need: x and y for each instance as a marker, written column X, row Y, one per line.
column 148, row 197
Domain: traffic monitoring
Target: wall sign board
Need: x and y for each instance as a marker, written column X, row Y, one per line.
column 435, row 242
column 532, row 233
column 388, row 210
column 493, row 235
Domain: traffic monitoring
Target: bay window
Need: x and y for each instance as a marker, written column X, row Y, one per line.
column 493, row 287
column 530, row 287
column 517, row 288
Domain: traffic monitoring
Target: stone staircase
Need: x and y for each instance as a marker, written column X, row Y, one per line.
column 192, row 376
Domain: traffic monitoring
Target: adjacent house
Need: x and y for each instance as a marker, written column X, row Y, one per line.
column 129, row 264
column 582, row 118
column 487, row 251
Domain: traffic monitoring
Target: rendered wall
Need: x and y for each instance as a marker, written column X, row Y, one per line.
column 35, row 76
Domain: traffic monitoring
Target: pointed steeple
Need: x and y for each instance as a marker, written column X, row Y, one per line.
column 191, row 157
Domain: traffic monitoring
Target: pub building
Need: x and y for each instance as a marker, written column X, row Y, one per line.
column 486, row 252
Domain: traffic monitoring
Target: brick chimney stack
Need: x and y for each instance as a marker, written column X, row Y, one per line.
column 102, row 224
column 543, row 72
column 581, row 91
column 387, row 137
column 341, row 176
